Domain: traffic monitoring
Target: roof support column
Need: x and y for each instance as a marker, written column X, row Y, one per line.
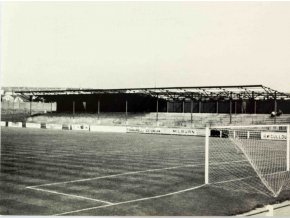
column 217, row 106
column 253, row 103
column 235, row 106
column 199, row 106
column 275, row 106
column 255, row 106
column 167, row 106
column 174, row 106
column 242, row 107
column 126, row 111
column 43, row 105
column 30, row 105
column 99, row 103
column 191, row 109
column 13, row 106
column 183, row 106
column 157, row 101
column 73, row 109
column 231, row 109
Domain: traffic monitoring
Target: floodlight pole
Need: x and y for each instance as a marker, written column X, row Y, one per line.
column 207, row 133
column 288, row 148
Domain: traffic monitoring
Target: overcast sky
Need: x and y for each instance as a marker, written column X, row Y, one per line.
column 145, row 44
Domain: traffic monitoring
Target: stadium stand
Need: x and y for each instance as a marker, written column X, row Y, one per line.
column 166, row 106
column 165, row 119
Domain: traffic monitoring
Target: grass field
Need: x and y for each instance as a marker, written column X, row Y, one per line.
column 51, row 172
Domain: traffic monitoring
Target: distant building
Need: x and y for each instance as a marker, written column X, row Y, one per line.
column 7, row 97
column 18, row 99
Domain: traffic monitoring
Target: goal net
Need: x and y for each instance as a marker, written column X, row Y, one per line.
column 248, row 158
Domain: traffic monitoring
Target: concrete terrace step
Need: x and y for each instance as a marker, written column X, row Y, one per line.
column 164, row 119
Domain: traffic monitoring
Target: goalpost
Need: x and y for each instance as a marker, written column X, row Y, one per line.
column 246, row 158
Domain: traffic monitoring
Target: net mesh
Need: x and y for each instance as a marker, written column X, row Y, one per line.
column 249, row 159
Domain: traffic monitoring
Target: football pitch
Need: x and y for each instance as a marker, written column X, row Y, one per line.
column 59, row 172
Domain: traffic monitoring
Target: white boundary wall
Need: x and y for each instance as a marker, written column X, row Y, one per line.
column 116, row 129
column 274, row 135
column 15, row 124
column 53, row 126
column 119, row 129
column 33, row 125
column 166, row 131
column 82, row 127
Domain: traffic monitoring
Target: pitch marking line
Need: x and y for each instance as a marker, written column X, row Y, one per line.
column 129, row 173
column 70, row 195
column 114, row 175
column 131, row 201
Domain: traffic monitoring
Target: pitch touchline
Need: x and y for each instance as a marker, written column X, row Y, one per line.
column 131, row 201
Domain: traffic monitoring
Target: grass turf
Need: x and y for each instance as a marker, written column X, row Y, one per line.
column 36, row 157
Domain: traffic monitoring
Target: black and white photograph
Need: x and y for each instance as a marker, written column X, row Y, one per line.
column 145, row 108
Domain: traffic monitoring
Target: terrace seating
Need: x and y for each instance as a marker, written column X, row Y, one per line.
column 164, row 119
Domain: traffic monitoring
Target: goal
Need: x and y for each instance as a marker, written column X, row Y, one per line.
column 248, row 158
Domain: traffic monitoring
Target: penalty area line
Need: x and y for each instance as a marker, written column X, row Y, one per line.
column 131, row 173
column 70, row 195
column 131, row 201
column 115, row 175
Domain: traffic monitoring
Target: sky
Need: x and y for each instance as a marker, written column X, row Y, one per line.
column 145, row 44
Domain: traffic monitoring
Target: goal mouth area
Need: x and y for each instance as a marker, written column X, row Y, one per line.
column 263, row 150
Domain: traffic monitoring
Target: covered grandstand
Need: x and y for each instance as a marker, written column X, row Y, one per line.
column 172, row 106
column 203, row 99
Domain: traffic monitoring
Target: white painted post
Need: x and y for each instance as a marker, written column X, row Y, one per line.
column 221, row 133
column 270, row 210
column 207, row 133
column 234, row 134
column 288, row 148
column 248, row 134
